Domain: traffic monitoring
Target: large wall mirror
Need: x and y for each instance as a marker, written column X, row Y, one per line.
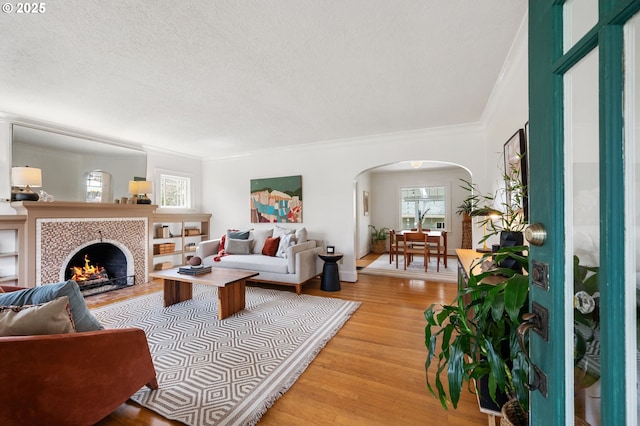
column 70, row 164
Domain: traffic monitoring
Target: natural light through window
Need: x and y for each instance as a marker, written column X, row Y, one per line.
column 427, row 203
column 175, row 191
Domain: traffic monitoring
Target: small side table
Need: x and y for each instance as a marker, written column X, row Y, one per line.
column 330, row 278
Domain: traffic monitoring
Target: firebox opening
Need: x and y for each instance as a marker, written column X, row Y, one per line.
column 98, row 268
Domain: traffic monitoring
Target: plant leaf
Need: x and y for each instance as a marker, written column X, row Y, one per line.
column 515, row 296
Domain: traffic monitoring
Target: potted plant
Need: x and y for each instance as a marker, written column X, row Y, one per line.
column 465, row 209
column 378, row 239
column 474, row 339
column 507, row 205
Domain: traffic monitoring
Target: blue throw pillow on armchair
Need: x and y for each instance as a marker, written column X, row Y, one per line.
column 82, row 317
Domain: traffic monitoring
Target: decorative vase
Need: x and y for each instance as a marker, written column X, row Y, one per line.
column 420, row 226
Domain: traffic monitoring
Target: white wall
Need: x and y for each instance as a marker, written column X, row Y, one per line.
column 362, row 240
column 5, row 167
column 507, row 111
column 171, row 163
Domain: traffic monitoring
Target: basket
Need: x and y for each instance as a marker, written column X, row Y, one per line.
column 164, row 248
column 514, row 415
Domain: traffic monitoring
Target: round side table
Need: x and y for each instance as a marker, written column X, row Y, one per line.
column 330, row 278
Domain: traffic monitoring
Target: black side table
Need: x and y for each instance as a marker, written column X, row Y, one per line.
column 330, row 278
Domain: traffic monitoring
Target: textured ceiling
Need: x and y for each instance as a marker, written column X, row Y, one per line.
column 227, row 77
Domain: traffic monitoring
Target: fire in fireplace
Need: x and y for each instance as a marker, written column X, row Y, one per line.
column 89, row 274
column 98, row 268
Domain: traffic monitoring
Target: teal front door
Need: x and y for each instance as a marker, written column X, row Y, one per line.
column 584, row 146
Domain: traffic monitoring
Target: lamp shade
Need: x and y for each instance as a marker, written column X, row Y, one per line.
column 134, row 187
column 26, row 176
column 145, row 187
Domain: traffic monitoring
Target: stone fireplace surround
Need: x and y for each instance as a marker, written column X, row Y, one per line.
column 58, row 240
column 55, row 231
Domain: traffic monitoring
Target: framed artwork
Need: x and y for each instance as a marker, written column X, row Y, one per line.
column 515, row 168
column 365, row 202
column 276, row 200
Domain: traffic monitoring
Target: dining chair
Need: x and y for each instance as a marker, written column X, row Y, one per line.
column 434, row 246
column 396, row 246
column 415, row 243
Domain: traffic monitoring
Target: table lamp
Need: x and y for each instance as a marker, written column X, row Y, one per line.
column 25, row 178
column 145, row 187
column 489, row 214
column 134, row 189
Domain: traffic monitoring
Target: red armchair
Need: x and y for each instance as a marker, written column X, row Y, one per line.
column 71, row 379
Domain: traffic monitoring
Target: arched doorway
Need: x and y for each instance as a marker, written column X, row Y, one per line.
column 377, row 197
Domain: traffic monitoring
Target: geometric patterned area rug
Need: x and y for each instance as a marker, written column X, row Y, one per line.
column 228, row 372
column 415, row 270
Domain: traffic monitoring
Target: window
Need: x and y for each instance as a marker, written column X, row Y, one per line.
column 427, row 202
column 175, row 191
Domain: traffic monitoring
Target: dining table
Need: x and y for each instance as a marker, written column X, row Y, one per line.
column 437, row 237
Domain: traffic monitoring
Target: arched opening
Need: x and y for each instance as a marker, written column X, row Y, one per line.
column 378, row 199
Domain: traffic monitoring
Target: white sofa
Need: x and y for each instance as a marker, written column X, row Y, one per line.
column 299, row 265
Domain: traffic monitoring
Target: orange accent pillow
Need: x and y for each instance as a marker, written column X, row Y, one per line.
column 271, row 246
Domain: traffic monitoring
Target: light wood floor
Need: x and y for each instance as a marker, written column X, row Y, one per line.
column 370, row 373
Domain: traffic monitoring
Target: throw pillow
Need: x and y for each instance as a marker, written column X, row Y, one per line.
column 82, row 317
column 279, row 231
column 301, row 235
column 49, row 318
column 285, row 242
column 238, row 246
column 259, row 237
column 236, row 235
column 271, row 246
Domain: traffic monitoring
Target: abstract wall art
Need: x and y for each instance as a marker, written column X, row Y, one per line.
column 276, row 200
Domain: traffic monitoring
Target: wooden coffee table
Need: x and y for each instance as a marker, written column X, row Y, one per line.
column 230, row 282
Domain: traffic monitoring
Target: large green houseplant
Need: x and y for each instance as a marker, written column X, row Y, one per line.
column 474, row 337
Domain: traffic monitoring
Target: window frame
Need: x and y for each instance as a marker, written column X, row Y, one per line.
column 161, row 175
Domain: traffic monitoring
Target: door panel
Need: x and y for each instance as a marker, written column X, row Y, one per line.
column 578, row 16
column 585, row 190
column 632, row 183
column 583, row 231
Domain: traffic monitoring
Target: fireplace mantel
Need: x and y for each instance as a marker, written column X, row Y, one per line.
column 38, row 213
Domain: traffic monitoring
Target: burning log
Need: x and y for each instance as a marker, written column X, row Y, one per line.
column 89, row 274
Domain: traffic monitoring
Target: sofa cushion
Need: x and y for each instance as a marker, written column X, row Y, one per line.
column 271, row 246
column 301, row 235
column 82, row 318
column 259, row 237
column 235, row 234
column 254, row 262
column 53, row 317
column 238, row 246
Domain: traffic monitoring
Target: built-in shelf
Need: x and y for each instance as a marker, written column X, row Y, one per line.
column 11, row 264
column 177, row 225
